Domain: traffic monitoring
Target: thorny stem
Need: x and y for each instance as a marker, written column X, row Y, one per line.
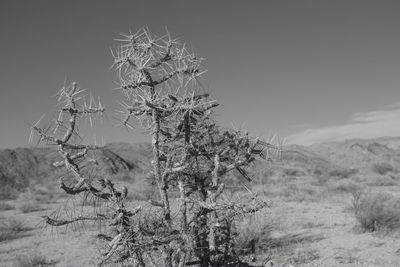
column 183, row 205
column 161, row 181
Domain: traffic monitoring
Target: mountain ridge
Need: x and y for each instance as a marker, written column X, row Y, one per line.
column 21, row 167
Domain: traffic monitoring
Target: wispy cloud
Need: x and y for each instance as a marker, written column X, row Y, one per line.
column 384, row 121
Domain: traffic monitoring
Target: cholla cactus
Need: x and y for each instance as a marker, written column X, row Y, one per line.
column 64, row 134
column 158, row 77
column 153, row 72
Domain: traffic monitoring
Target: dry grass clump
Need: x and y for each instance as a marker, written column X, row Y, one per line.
column 253, row 230
column 344, row 186
column 30, row 200
column 266, row 176
column 318, row 171
column 342, row 173
column 27, row 207
column 141, row 190
column 322, row 177
column 260, row 235
column 5, row 206
column 10, row 229
column 293, row 191
column 39, row 194
column 320, row 180
column 303, row 256
column 301, row 192
column 8, row 192
column 292, row 172
column 376, row 210
column 44, row 195
column 35, row 259
column 383, row 168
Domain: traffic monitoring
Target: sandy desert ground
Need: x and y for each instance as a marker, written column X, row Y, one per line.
column 307, row 224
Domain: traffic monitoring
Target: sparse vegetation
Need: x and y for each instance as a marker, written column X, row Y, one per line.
column 294, row 192
column 383, row 180
column 38, row 194
column 257, row 235
column 303, row 256
column 344, row 186
column 375, row 210
column 320, row 170
column 10, row 228
column 322, row 176
column 35, row 259
column 26, row 207
column 42, row 194
column 342, row 173
column 321, row 180
column 292, row 172
column 383, row 168
column 8, row 191
column 251, row 231
column 6, row 206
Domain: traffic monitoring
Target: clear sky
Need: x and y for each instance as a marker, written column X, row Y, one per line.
column 307, row 70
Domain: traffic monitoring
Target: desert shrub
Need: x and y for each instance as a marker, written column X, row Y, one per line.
column 10, row 228
column 5, row 206
column 35, row 259
column 27, row 207
column 251, row 230
column 292, row 172
column 343, row 173
column 7, row 191
column 344, row 186
column 375, row 210
column 303, row 256
column 313, row 224
column 6, row 235
column 320, row 169
column 320, row 180
column 14, row 225
column 318, row 172
column 265, row 179
column 382, row 168
column 257, row 234
column 322, row 177
column 37, row 194
column 385, row 180
column 266, row 176
column 43, row 195
column 300, row 192
column 143, row 189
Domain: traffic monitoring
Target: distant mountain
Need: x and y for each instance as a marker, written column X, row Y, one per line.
column 340, row 158
column 361, row 153
column 22, row 167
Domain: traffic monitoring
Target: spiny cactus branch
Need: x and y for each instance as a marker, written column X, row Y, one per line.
column 54, row 222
